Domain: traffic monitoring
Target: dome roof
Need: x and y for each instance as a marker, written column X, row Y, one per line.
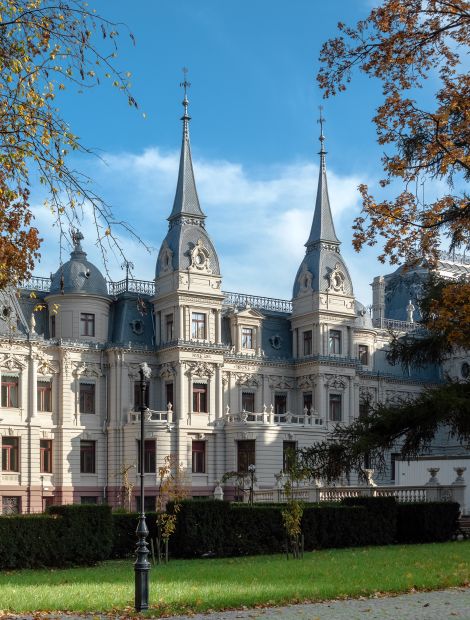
column 78, row 275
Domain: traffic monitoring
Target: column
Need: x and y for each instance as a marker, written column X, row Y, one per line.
column 217, row 326
column 258, row 340
column 180, row 404
column 294, row 343
column 351, row 399
column 350, row 342
column 33, row 392
column 180, row 322
column 158, row 327
column 219, row 403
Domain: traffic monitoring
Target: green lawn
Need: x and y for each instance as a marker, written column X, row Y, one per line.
column 198, row 585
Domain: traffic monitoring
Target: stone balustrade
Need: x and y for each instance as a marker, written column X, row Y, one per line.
column 267, row 416
column 152, row 416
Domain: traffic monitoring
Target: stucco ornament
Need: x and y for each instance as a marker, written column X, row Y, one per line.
column 166, row 258
column 336, row 280
column 336, row 382
column 275, row 341
column 200, row 258
column 199, row 369
column 305, row 279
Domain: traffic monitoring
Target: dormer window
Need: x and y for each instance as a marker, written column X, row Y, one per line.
column 198, row 325
column 87, row 324
column 247, row 337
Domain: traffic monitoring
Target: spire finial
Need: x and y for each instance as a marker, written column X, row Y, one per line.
column 185, row 85
column 322, row 152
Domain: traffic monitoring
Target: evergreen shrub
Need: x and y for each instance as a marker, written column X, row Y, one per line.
column 382, row 521
column 426, row 522
column 124, row 536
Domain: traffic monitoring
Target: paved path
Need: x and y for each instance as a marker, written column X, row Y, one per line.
column 451, row 604
column 439, row 605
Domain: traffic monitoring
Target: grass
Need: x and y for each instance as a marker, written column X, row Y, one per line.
column 185, row 586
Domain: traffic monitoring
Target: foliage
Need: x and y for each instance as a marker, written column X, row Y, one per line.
column 172, row 488
column 402, row 43
column 294, row 509
column 426, row 522
column 124, row 528
column 46, row 48
column 68, row 535
column 127, row 486
column 382, row 526
column 412, row 423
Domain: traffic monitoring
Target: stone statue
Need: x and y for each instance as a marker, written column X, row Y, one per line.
column 409, row 312
column 33, row 324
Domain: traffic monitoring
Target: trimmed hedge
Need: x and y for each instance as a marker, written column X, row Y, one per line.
column 381, row 528
column 66, row 536
column 424, row 522
column 124, row 536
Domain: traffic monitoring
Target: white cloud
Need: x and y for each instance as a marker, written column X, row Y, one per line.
column 259, row 221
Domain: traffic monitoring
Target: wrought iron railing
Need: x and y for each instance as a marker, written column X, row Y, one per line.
column 129, row 285
column 255, row 301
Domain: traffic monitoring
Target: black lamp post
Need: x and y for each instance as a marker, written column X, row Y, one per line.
column 142, row 565
column 251, row 471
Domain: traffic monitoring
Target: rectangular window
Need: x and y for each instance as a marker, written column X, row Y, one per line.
column 248, row 401
column 335, row 408
column 247, row 338
column 87, row 324
column 198, row 325
column 169, row 327
column 199, row 398
column 288, row 455
column 308, row 343
column 307, row 400
column 10, row 505
column 10, row 454
column 280, row 404
column 88, row 499
column 199, row 457
column 87, row 398
column 150, row 456
column 334, row 343
column 138, row 395
column 149, row 503
column 44, row 395
column 169, row 395
column 10, row 391
column 45, row 450
column 87, row 457
column 364, row 409
column 364, row 354
column 245, row 454
column 53, row 326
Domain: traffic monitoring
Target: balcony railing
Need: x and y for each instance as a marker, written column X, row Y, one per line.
column 269, row 417
column 401, row 326
column 255, row 301
column 151, row 416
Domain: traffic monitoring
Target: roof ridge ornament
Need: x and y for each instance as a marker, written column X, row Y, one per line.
column 185, row 85
column 321, row 120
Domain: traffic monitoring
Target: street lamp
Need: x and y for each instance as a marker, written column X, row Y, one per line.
column 142, row 565
column 251, row 471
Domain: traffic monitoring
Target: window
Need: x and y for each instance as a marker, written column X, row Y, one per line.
column 198, row 329
column 169, row 327
column 393, row 459
column 149, row 503
column 87, row 324
column 88, row 499
column 363, row 410
column 150, row 456
column 87, row 398
column 335, row 407
column 9, row 391
column 138, row 395
column 199, row 457
column 10, row 454
column 87, row 457
column 53, row 326
column 280, row 404
column 10, row 505
column 288, row 455
column 248, row 401
column 247, row 338
column 44, row 392
column 307, row 400
column 169, row 395
column 245, row 454
column 308, row 343
column 334, row 345
column 199, row 398
column 45, row 450
column 364, row 354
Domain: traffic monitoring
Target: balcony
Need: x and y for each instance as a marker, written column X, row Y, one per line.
column 268, row 417
column 160, row 417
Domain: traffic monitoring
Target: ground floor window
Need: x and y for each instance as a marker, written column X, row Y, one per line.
column 245, row 455
column 199, row 457
column 11, row 505
column 87, row 457
column 150, row 456
column 88, row 499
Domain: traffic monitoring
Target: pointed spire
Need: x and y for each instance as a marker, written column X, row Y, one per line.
column 322, row 226
column 186, row 199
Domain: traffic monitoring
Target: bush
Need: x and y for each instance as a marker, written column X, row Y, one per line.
column 28, row 541
column 383, row 524
column 124, row 537
column 426, row 522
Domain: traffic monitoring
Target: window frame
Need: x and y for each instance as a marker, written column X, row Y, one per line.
column 200, row 394
column 335, row 342
column 335, row 404
column 277, row 404
column 44, row 388
column 137, row 394
column 198, row 457
column 7, row 383
column 363, row 350
column 82, row 390
column 87, row 324
column 53, row 326
column 10, row 454
column 248, row 455
column 150, row 456
column 87, row 451
column 307, row 342
column 45, row 456
column 286, row 456
column 169, row 327
column 198, row 325
column 247, row 337
column 248, row 398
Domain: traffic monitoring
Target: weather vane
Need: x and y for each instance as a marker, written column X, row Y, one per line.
column 185, row 84
column 321, row 120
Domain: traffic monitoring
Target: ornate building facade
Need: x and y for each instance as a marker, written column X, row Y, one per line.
column 236, row 379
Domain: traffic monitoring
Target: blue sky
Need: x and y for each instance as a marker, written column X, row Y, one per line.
column 254, row 104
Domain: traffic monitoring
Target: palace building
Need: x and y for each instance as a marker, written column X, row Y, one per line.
column 237, row 380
